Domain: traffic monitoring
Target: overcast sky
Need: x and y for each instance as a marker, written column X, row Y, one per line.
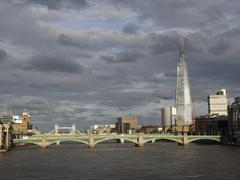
column 90, row 61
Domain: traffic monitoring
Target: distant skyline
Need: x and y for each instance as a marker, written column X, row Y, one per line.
column 90, row 61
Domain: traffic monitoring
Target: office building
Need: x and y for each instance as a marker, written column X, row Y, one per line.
column 218, row 104
column 168, row 116
column 126, row 124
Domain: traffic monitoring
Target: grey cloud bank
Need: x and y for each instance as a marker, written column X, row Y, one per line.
column 89, row 62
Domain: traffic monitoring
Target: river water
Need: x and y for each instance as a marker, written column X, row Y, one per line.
column 162, row 160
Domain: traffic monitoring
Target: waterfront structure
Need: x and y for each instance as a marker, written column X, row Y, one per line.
column 151, row 129
column 211, row 125
column 91, row 140
column 22, row 125
column 127, row 124
column 6, row 118
column 218, row 104
column 234, row 121
column 5, row 136
column 168, row 116
column 105, row 128
column 184, row 108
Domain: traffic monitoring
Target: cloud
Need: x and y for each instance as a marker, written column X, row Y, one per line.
column 76, row 56
column 123, row 57
column 53, row 63
column 3, row 54
column 58, row 4
column 130, row 28
column 66, row 40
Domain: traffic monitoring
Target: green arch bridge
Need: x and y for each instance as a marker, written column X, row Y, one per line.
column 91, row 140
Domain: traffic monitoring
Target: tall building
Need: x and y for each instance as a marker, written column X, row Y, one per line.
column 168, row 116
column 184, row 107
column 217, row 104
column 126, row 124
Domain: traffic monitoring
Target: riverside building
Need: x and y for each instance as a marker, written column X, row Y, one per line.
column 234, row 121
column 127, row 124
column 218, row 103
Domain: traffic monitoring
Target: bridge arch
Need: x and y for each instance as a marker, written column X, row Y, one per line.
column 28, row 142
column 67, row 140
column 164, row 138
column 115, row 138
column 202, row 138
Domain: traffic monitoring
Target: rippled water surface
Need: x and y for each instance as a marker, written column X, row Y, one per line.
column 121, row 161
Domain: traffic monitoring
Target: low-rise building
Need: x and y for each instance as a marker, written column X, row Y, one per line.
column 23, row 125
column 150, row 129
column 20, row 124
column 234, row 121
column 211, row 125
column 106, row 128
column 127, row 124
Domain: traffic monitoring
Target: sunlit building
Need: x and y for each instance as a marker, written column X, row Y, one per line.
column 218, row 103
column 127, row 124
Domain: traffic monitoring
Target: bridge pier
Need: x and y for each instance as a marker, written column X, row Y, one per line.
column 91, row 143
column 73, row 129
column 44, row 142
column 58, row 143
column 185, row 139
column 56, row 129
column 140, row 140
column 5, row 137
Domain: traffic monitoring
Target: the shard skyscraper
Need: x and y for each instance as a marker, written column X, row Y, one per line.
column 184, row 106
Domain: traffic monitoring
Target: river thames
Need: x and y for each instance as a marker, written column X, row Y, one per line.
column 163, row 160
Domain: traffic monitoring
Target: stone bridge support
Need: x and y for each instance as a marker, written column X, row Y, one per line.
column 44, row 142
column 56, row 129
column 140, row 140
column 58, row 143
column 73, row 130
column 5, row 136
column 185, row 139
column 91, row 143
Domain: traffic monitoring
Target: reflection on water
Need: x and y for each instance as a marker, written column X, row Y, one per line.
column 161, row 160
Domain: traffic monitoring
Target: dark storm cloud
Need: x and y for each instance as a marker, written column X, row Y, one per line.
column 59, row 4
column 180, row 13
column 123, row 57
column 219, row 48
column 165, row 43
column 67, row 40
column 3, row 54
column 53, row 63
column 130, row 28
column 132, row 64
column 163, row 94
